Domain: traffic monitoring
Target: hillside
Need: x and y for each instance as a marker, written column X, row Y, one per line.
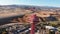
column 44, row 13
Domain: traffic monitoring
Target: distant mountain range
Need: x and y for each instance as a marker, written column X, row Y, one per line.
column 28, row 6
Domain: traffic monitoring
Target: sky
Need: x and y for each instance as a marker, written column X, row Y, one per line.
column 54, row 3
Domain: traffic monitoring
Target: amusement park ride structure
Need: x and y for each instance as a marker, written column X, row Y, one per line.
column 33, row 21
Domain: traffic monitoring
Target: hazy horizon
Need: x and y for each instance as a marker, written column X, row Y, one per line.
column 53, row 3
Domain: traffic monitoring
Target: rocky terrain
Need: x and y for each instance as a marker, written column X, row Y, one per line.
column 12, row 13
column 14, row 18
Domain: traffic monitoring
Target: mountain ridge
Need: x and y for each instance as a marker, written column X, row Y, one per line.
column 24, row 6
